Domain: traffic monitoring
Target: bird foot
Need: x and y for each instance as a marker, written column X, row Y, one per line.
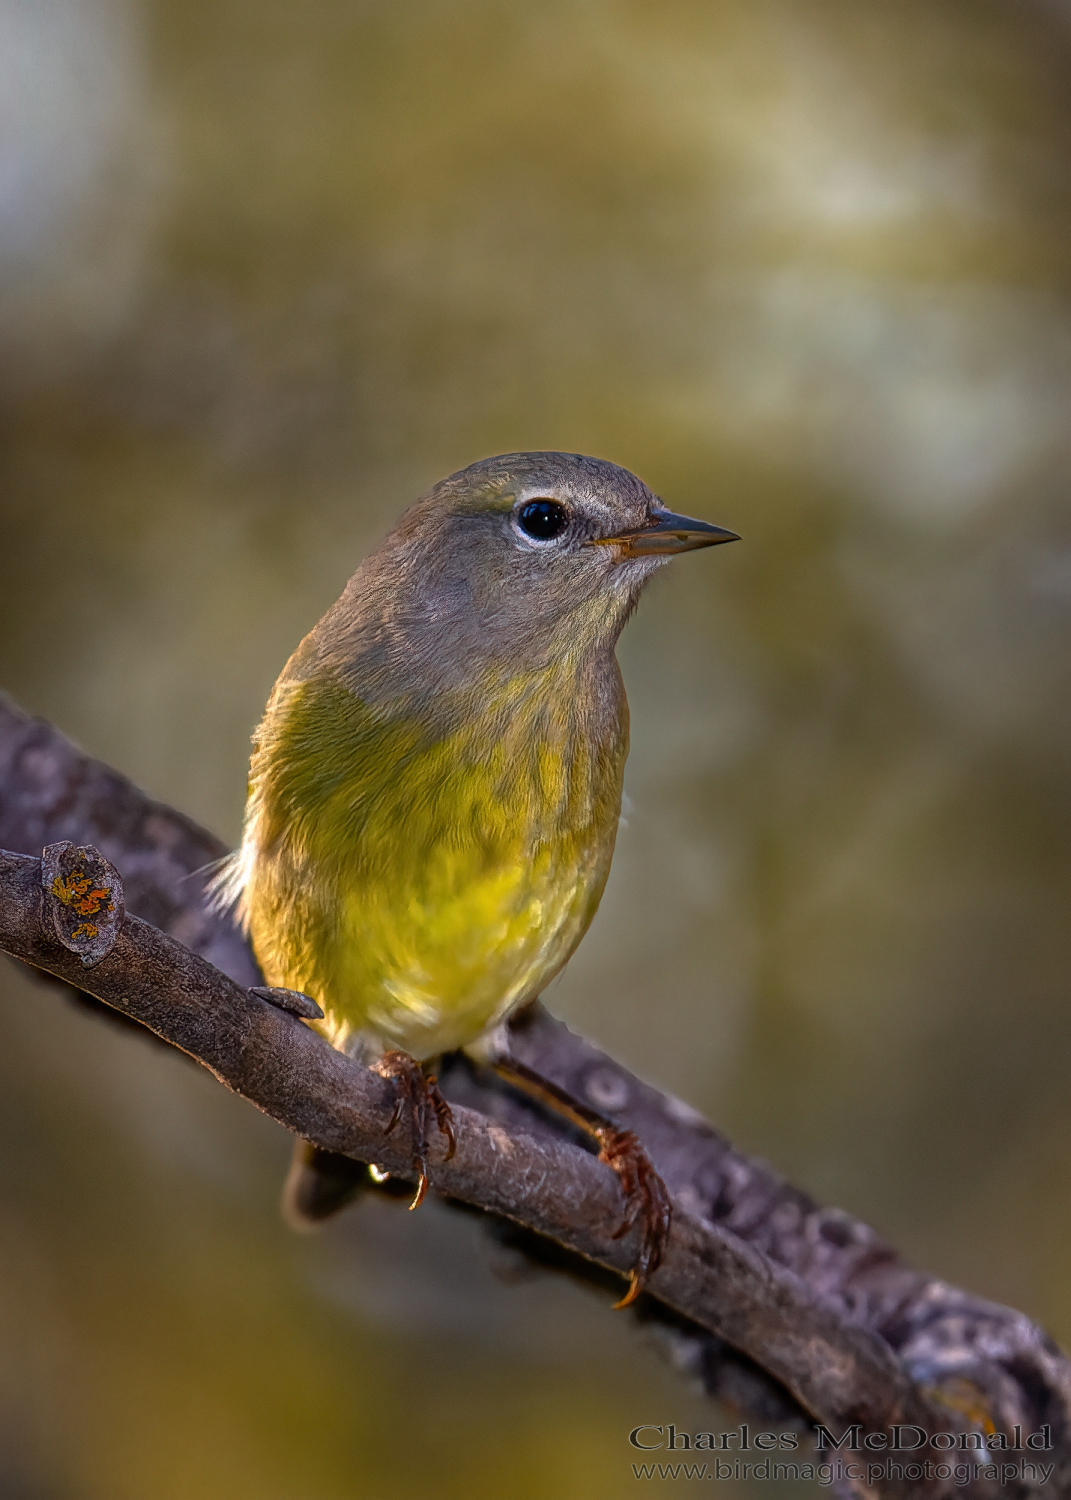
column 646, row 1195
column 417, row 1099
column 646, row 1199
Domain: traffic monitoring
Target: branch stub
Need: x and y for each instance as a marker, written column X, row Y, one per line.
column 83, row 900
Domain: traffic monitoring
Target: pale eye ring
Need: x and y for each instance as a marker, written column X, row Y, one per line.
column 542, row 520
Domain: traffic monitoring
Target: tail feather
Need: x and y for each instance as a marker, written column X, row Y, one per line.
column 319, row 1184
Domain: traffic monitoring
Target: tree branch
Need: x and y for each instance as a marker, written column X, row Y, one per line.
column 832, row 1322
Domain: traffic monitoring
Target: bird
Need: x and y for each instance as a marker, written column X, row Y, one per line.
column 435, row 786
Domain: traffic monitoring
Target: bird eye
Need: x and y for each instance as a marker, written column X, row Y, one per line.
column 542, row 519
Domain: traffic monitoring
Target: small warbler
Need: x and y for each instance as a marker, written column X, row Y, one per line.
column 435, row 786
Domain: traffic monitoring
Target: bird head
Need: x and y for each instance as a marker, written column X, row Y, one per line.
column 551, row 540
column 519, row 560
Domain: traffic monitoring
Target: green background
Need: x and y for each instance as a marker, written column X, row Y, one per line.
column 269, row 270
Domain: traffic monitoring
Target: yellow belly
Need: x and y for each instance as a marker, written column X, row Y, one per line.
column 422, row 889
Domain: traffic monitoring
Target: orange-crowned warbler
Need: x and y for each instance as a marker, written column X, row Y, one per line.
column 435, row 786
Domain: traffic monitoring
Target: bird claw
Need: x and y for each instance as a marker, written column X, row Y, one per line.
column 293, row 1001
column 418, row 1094
column 646, row 1199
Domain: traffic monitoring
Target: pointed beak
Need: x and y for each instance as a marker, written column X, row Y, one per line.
column 666, row 534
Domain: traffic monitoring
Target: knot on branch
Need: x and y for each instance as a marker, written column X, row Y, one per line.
column 83, row 900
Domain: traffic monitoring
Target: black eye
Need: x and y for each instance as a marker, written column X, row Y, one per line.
column 542, row 519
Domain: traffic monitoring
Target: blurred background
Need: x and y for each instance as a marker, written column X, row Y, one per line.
column 268, row 271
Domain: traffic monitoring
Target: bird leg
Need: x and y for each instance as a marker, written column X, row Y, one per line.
column 646, row 1196
column 418, row 1094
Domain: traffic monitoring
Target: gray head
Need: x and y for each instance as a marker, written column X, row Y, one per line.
column 523, row 557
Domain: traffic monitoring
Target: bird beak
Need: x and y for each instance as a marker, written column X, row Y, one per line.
column 666, row 534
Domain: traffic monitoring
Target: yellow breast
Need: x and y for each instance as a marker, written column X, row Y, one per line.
column 421, row 884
